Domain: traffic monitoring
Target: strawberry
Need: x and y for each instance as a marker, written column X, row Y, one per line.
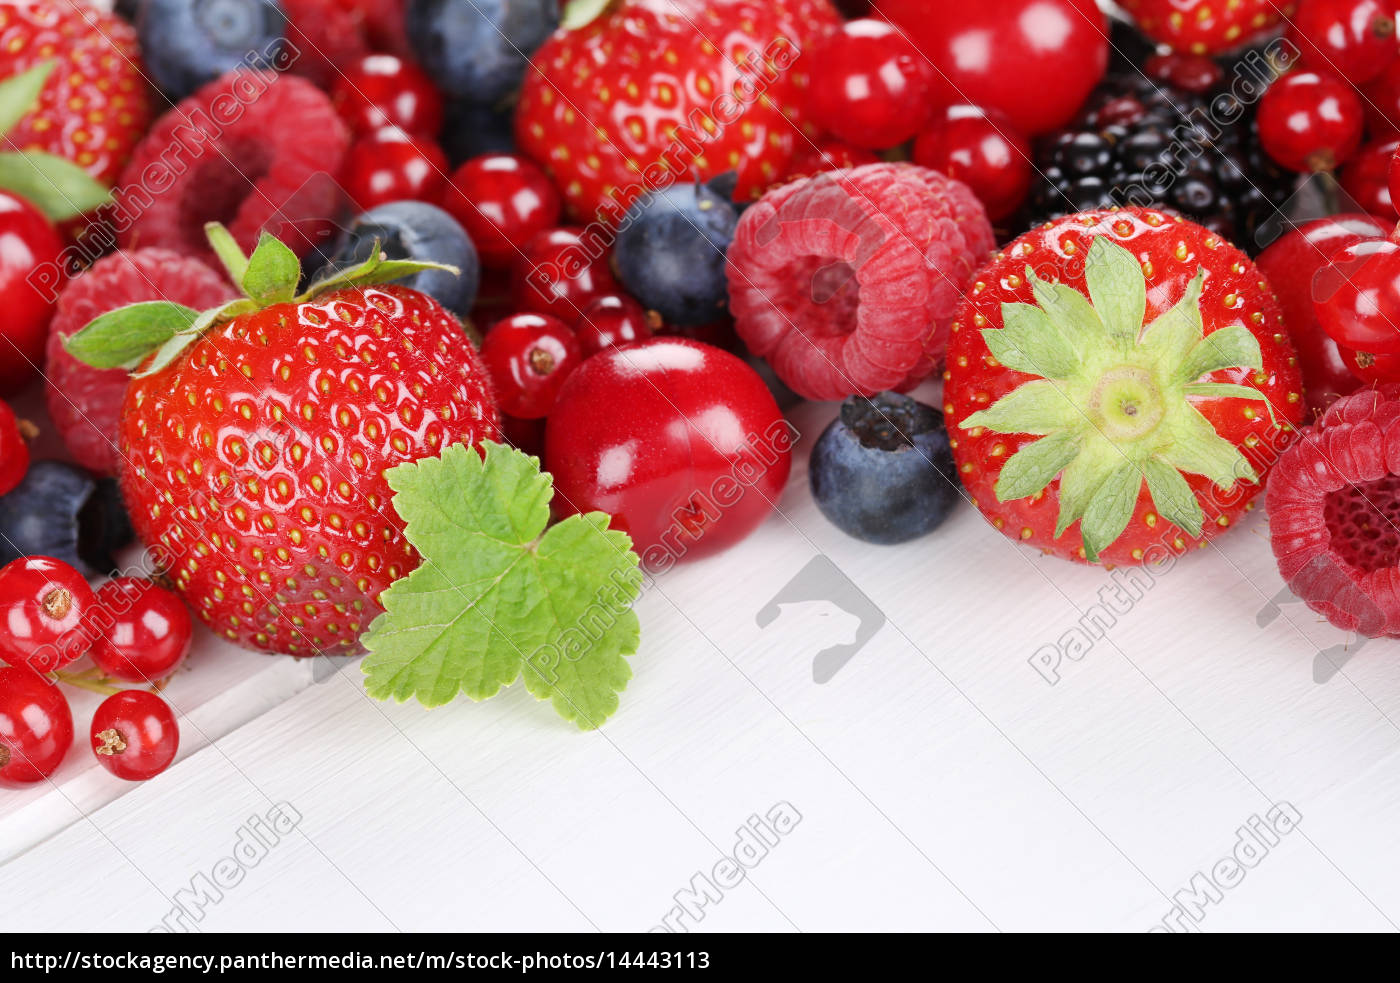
column 1119, row 384
column 255, row 443
column 95, row 104
column 652, row 91
column 1207, row 26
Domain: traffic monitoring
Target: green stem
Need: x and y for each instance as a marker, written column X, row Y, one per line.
column 86, row 680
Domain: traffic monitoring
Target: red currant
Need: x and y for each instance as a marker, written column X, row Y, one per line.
column 503, row 201
column 529, row 356
column 1393, row 177
column 390, row 165
column 383, row 90
column 32, row 252
column 871, row 87
column 1310, row 122
column 42, row 606
column 1367, row 178
column 36, row 728
column 1357, row 297
column 1382, row 103
column 1372, row 368
column 559, row 273
column 134, row 735
column 145, row 630
column 1354, row 39
column 14, row 452
column 982, row 150
column 610, row 321
column 828, row 155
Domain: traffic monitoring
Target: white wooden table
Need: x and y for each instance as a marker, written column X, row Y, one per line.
column 938, row 780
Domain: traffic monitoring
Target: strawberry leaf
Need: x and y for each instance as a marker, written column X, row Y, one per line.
column 1110, row 509
column 1029, row 343
column 1038, row 407
column 1117, row 288
column 1034, row 466
column 497, row 595
column 272, row 273
column 581, row 13
column 19, row 94
column 57, row 187
column 1229, row 348
column 124, row 337
column 1173, row 497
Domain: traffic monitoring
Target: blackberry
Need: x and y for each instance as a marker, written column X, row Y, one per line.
column 1141, row 140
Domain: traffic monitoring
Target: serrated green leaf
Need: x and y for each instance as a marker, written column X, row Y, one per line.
column 1196, row 448
column 124, row 337
column 57, row 187
column 20, row 93
column 372, row 272
column 496, row 594
column 272, row 273
column 1028, row 342
column 1231, row 347
column 1083, row 476
column 1172, row 497
column 166, row 354
column 226, row 247
column 1110, row 509
column 1176, row 330
column 1035, row 407
column 1034, row 466
column 1071, row 313
column 1117, row 287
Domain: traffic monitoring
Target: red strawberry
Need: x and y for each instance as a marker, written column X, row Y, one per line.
column 646, row 94
column 1118, row 385
column 96, row 104
column 1207, row 26
column 254, row 459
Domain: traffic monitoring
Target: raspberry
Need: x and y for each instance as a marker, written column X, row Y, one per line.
column 85, row 403
column 328, row 33
column 847, row 281
column 253, row 151
column 1334, row 513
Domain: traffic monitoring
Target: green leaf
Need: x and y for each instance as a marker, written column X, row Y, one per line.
column 1229, row 348
column 1228, row 390
column 1110, row 509
column 1071, row 313
column 1117, row 287
column 57, row 187
column 166, row 354
column 1036, row 407
column 1171, row 336
column 228, row 250
column 20, row 93
column 1083, row 477
column 124, row 337
column 373, row 271
column 581, row 13
column 497, row 595
column 272, row 273
column 1196, row 448
column 1034, row 466
column 1173, row 497
column 1029, row 343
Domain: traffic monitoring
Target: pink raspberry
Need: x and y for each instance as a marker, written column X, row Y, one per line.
column 85, row 402
column 1334, row 513
column 847, row 281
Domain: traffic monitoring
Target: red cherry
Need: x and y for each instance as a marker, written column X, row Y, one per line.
column 1192, row 73
column 145, row 630
column 503, row 201
column 14, row 452
column 134, row 735
column 30, row 250
column 559, row 272
column 43, row 604
column 529, row 356
column 382, row 90
column 1310, row 122
column 1367, row 178
column 871, row 88
column 390, row 165
column 1354, row 39
column 982, row 150
column 1372, row 368
column 1356, row 295
column 1381, row 100
column 36, row 728
column 827, row 155
column 1035, row 60
column 1289, row 265
column 681, row 442
column 610, row 321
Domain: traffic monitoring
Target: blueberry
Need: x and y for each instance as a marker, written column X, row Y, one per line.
column 128, row 10
column 479, row 50
column 61, row 511
column 470, row 131
column 883, row 471
column 726, row 185
column 186, row 43
column 670, row 253
column 417, row 230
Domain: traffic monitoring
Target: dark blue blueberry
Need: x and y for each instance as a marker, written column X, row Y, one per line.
column 61, row 511
column 883, row 471
column 186, row 43
column 470, row 130
column 478, row 49
column 670, row 253
column 726, row 185
column 417, row 230
column 128, row 10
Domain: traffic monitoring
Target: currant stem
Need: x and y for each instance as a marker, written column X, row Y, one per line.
column 82, row 680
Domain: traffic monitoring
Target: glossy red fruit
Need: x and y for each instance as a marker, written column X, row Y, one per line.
column 134, row 735
column 29, row 248
column 14, row 450
column 529, row 356
column 524, row 435
column 611, row 321
column 1180, row 70
column 559, row 273
column 1357, row 296
column 981, row 149
column 1381, row 101
column 390, row 165
column 36, row 728
column 827, row 155
column 1367, row 178
column 385, row 90
column 42, row 606
column 143, row 632
column 1310, row 122
column 872, row 86
column 1035, row 60
column 1290, row 264
column 690, row 455
column 1205, row 27
column 1370, row 368
column 503, row 201
column 1354, row 39
column 1393, row 176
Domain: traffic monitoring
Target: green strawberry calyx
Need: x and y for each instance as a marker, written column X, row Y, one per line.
column 56, row 186
column 581, row 13
column 145, row 338
column 1112, row 404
